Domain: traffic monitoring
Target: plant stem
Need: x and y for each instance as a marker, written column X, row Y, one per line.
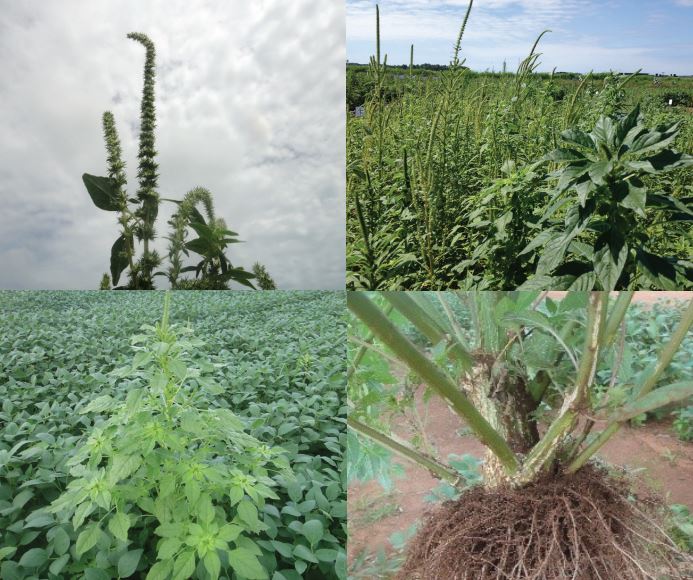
column 545, row 451
column 652, row 375
column 404, row 304
column 363, row 349
column 405, row 450
column 616, row 316
column 429, row 372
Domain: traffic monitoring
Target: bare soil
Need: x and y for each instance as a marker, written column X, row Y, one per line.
column 666, row 466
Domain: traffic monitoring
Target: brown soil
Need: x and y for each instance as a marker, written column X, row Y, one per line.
column 581, row 526
column 643, row 297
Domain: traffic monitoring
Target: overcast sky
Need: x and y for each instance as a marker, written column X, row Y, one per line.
column 599, row 35
column 250, row 104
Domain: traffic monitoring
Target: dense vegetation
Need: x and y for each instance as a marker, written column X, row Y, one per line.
column 458, row 179
column 543, row 384
column 208, row 445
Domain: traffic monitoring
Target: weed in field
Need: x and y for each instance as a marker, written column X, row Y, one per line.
column 449, row 179
column 54, row 363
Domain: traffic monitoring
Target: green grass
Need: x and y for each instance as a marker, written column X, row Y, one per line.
column 279, row 358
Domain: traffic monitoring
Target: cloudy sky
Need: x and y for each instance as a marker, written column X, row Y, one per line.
column 250, row 104
column 599, row 35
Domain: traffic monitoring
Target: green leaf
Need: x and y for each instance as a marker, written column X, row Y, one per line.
column 599, row 170
column 160, row 570
column 122, row 466
column 636, row 198
column 605, row 131
column 88, row 539
column 610, row 256
column 554, row 252
column 283, row 548
column 200, row 246
column 98, row 405
column 205, row 510
column 248, row 513
column 236, row 494
column 103, row 192
column 127, row 563
column 96, row 574
column 119, row 525
column 168, row 548
column 660, row 271
column 229, row 532
column 660, row 397
column 170, row 530
column 33, row 558
column 212, row 564
column 57, row 565
column 7, row 551
column 60, row 541
column 184, row 565
column 313, row 531
column 304, row 553
column 246, row 564
column 119, row 259
column 578, row 138
column 565, row 155
column 628, row 122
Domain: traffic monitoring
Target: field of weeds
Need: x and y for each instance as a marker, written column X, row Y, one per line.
column 457, row 179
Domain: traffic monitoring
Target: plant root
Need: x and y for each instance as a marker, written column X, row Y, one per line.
column 585, row 526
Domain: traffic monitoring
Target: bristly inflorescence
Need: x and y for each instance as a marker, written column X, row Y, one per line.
column 148, row 168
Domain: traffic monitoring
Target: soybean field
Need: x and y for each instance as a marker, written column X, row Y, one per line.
column 181, row 435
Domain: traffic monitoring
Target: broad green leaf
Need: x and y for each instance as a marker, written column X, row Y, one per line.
column 60, row 541
column 168, row 548
column 127, row 563
column 7, row 551
column 160, row 570
column 248, row 513
column 119, row 259
column 605, row 131
column 57, row 565
column 304, row 553
column 565, row 155
column 598, row 171
column 578, row 137
column 123, row 466
column 660, row 271
column 611, row 253
column 636, row 198
column 118, row 525
column 655, row 399
column 205, row 510
column 246, row 564
column 87, row 539
column 212, row 564
column 103, row 192
column 33, row 558
column 229, row 532
column 313, row 531
column 184, row 565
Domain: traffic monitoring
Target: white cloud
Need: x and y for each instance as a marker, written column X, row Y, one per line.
column 250, row 104
column 504, row 30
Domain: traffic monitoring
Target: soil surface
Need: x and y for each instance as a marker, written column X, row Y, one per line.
column 665, row 464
